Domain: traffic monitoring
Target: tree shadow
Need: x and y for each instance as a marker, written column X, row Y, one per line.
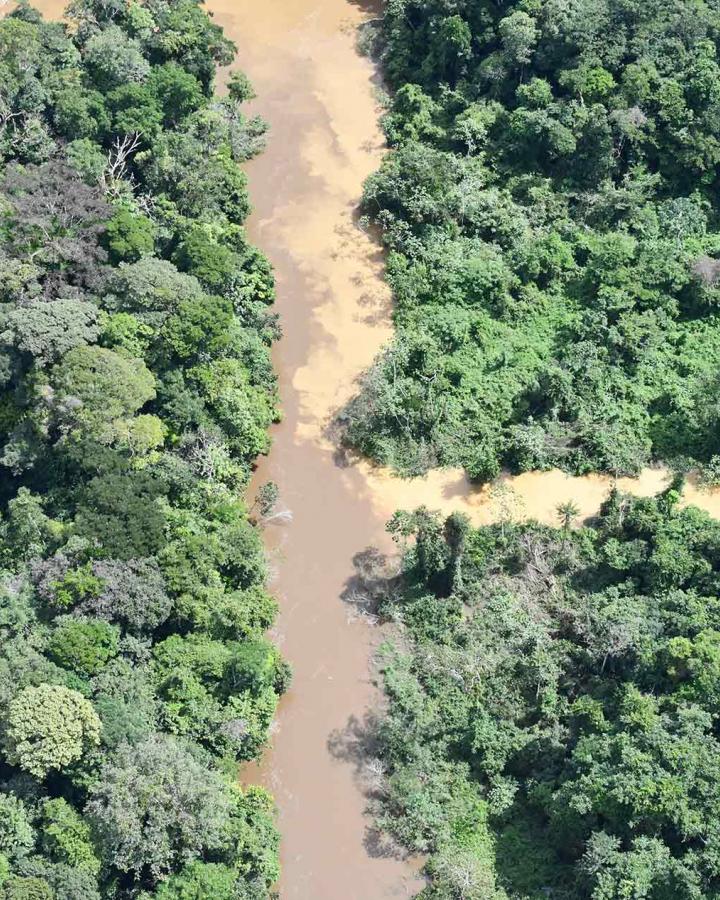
column 380, row 845
column 370, row 589
column 336, row 427
column 357, row 744
column 343, row 457
column 369, row 7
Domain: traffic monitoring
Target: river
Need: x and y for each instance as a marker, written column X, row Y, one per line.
column 318, row 95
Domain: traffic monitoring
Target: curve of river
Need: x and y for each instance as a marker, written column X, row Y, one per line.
column 318, row 95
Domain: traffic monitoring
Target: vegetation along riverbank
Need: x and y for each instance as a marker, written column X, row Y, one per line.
column 137, row 391
column 549, row 208
column 550, row 214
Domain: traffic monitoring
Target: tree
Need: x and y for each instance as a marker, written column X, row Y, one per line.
column 114, row 59
column 199, row 329
column 19, row 888
column 518, row 33
column 253, row 839
column 212, row 263
column 59, row 584
column 81, row 113
column 177, row 91
column 215, row 192
column 47, row 331
column 151, row 285
column 129, row 236
column 57, row 220
column 65, row 882
column 66, row 836
column 567, row 512
column 123, row 515
column 17, row 836
column 87, row 159
column 83, row 645
column 157, row 807
column 466, row 875
column 254, row 666
column 135, row 112
column 454, row 45
column 124, row 698
column 130, row 592
column 240, row 88
column 28, row 531
column 186, row 34
column 266, row 499
column 96, row 390
column 48, row 728
column 200, row 880
column 243, row 411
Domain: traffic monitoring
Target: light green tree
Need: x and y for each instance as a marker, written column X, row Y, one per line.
column 17, row 836
column 518, row 34
column 66, row 836
column 98, row 390
column 48, row 728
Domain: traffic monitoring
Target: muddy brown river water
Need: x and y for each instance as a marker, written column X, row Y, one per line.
column 318, row 95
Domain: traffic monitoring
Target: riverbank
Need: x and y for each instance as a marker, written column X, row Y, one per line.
column 318, row 96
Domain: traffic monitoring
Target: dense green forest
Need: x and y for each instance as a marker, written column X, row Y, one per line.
column 549, row 209
column 552, row 725
column 136, row 393
column 550, row 213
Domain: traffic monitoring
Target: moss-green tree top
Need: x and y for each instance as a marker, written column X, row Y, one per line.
column 49, row 727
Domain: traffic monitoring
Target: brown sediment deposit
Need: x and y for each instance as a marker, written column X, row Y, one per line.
column 532, row 495
column 318, row 95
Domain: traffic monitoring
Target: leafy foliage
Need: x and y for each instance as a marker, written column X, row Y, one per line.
column 552, row 727
column 136, row 390
column 550, row 213
column 157, row 806
column 49, row 727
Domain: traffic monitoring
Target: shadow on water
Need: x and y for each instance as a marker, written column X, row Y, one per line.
column 369, row 591
column 357, row 745
column 367, row 7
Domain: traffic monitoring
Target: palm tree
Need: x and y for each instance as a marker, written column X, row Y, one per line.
column 567, row 513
